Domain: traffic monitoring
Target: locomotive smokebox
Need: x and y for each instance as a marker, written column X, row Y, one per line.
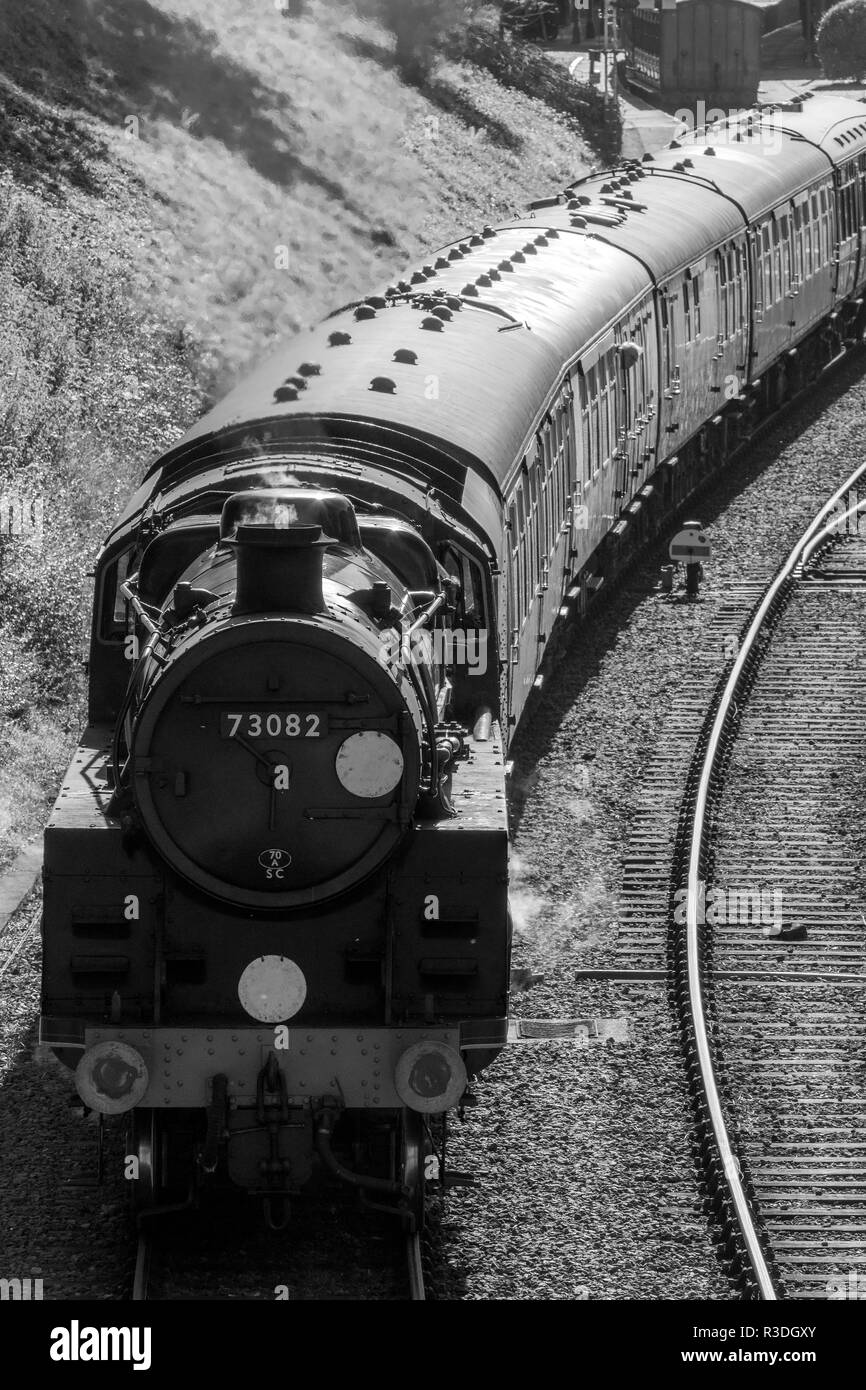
column 279, row 569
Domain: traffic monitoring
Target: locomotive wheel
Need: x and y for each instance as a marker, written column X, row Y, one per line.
column 164, row 1145
column 414, row 1146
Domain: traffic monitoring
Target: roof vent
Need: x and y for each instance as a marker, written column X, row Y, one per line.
column 494, row 273
column 709, row 150
column 541, row 241
column 432, row 324
column 442, row 263
column 578, row 221
column 339, row 339
column 605, row 188
column 383, row 383
column 476, row 240
column 299, row 382
column 286, row 393
column 454, row 303
column 573, row 203
column 518, row 258
column 404, row 286
column 376, row 301
column 487, row 232
column 584, row 199
column 484, row 281
column 442, row 312
column 417, row 277
column 687, row 164
column 530, row 249
column 428, row 271
column 674, row 145
column 679, row 167
column 365, row 311
column 310, row 369
column 506, row 265
column 406, row 355
column 467, row 290
column 552, row 233
column 454, row 254
column 647, row 158
column 465, row 247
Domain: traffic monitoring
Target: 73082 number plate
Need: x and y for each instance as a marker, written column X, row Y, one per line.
column 273, row 723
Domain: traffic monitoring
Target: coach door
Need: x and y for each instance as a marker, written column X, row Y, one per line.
column 631, row 405
column 525, row 592
column 671, row 386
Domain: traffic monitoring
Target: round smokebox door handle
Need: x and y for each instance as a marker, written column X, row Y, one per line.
column 369, row 764
column 272, row 989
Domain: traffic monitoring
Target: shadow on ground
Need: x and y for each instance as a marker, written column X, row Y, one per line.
column 123, row 59
column 451, row 99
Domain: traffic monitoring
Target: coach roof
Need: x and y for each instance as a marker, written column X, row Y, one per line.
column 467, row 355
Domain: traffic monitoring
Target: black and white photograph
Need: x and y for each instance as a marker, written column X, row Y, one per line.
column 432, row 673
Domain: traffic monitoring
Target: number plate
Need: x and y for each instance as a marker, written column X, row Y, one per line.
column 273, row 723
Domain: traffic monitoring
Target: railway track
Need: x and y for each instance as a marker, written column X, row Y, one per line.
column 227, row 1259
column 770, row 959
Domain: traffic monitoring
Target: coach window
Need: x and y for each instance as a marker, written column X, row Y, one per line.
column 531, row 497
column 783, row 233
column 524, row 557
column 514, row 589
column 696, row 303
column 742, row 291
column 722, row 294
column 547, row 455
column 607, row 394
column 594, row 440
column 664, row 310
column 777, row 261
column 687, row 308
column 766, row 268
column 567, row 470
column 585, row 434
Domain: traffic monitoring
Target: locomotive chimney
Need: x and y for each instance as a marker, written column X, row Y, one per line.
column 279, row 569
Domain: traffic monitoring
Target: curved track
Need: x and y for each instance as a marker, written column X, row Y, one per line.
column 771, row 998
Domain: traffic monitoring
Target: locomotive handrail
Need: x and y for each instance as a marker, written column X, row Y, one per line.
column 725, row 716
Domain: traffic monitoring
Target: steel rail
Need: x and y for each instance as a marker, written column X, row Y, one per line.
column 141, row 1277
column 725, row 716
column 415, row 1267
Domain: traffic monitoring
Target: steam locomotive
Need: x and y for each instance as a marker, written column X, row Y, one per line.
column 275, row 924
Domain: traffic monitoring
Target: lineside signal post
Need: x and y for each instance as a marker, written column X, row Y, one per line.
column 690, row 546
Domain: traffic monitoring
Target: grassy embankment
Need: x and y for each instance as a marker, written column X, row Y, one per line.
column 154, row 154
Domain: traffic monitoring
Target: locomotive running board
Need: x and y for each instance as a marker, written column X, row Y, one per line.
column 581, row 1031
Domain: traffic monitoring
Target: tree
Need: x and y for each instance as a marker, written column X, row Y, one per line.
column 422, row 28
column 842, row 40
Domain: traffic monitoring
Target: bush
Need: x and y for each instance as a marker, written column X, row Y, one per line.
column 842, row 40
column 520, row 65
